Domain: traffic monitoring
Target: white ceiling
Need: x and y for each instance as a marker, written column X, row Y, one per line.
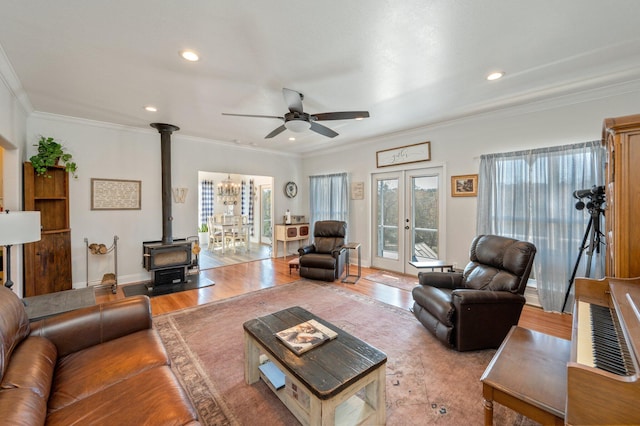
column 410, row 63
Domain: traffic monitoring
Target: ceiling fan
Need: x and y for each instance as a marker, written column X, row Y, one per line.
column 298, row 121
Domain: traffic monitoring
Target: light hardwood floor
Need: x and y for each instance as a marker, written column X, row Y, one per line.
column 242, row 278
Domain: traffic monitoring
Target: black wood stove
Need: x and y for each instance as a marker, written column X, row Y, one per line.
column 167, row 259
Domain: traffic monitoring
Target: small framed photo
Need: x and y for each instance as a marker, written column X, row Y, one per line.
column 464, row 186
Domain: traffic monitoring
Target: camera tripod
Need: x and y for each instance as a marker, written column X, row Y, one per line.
column 593, row 233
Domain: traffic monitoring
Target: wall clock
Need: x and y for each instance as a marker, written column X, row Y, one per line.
column 291, row 189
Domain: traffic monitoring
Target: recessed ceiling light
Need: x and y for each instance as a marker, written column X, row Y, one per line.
column 292, row 138
column 150, row 108
column 495, row 75
column 189, row 55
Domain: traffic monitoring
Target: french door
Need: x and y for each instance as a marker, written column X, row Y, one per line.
column 408, row 218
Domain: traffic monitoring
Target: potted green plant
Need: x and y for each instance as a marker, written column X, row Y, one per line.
column 50, row 154
column 203, row 235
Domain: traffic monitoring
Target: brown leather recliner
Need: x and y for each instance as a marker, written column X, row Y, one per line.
column 476, row 308
column 325, row 258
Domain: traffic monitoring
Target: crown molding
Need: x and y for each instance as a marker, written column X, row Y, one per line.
column 11, row 81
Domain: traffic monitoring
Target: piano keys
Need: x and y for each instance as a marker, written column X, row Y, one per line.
column 602, row 378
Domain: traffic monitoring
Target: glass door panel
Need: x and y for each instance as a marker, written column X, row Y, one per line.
column 388, row 237
column 424, row 243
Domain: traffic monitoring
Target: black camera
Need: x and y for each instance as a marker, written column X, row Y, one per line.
column 595, row 194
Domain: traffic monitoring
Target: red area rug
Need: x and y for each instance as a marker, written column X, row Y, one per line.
column 427, row 383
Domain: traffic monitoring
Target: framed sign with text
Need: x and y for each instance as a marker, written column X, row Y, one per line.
column 115, row 194
column 403, row 155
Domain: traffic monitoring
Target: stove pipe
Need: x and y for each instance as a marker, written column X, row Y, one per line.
column 165, row 131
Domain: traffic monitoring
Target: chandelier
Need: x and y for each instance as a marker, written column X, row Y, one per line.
column 228, row 191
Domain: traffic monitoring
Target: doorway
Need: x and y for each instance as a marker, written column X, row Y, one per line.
column 228, row 195
column 408, row 218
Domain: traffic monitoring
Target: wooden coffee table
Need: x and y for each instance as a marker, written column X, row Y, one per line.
column 323, row 385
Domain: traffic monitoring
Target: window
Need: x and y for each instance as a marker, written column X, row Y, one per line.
column 528, row 195
column 329, row 197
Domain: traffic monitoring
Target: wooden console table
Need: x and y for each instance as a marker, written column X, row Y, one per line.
column 285, row 233
column 528, row 374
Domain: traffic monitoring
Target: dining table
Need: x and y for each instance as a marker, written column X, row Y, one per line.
column 233, row 229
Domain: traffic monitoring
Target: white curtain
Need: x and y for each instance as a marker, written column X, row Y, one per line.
column 328, row 198
column 529, row 195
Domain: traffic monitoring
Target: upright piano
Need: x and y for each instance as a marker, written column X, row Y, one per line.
column 602, row 374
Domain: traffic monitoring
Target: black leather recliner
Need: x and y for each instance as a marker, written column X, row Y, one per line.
column 476, row 308
column 325, row 258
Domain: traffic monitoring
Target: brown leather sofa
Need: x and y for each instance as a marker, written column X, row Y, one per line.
column 325, row 258
column 99, row 365
column 476, row 308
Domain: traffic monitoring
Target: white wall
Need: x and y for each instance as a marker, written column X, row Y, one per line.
column 103, row 150
column 458, row 146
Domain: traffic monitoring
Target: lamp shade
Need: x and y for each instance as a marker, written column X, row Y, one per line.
column 19, row 227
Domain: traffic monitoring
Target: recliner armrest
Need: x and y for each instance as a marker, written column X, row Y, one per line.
column 451, row 280
column 76, row 330
column 306, row 250
column 467, row 296
column 338, row 251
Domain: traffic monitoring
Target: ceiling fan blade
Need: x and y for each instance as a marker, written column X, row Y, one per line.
column 345, row 115
column 293, row 99
column 276, row 132
column 252, row 115
column 323, row 130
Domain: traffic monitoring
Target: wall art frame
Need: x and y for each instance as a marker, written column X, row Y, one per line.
column 407, row 154
column 357, row 190
column 464, row 186
column 116, row 194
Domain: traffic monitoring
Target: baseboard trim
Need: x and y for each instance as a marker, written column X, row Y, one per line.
column 531, row 294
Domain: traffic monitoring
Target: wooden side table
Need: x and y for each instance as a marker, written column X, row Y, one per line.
column 348, row 278
column 528, row 374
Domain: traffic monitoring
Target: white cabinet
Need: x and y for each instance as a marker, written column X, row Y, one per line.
column 294, row 232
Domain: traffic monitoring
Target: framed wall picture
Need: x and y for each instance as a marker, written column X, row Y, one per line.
column 357, row 190
column 403, row 155
column 464, row 186
column 115, row 194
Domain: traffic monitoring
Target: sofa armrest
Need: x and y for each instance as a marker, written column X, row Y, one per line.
column 76, row 330
column 450, row 280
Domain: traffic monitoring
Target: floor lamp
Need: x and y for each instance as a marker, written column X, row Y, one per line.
column 17, row 228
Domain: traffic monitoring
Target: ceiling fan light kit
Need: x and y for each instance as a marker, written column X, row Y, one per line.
column 297, row 125
column 299, row 121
